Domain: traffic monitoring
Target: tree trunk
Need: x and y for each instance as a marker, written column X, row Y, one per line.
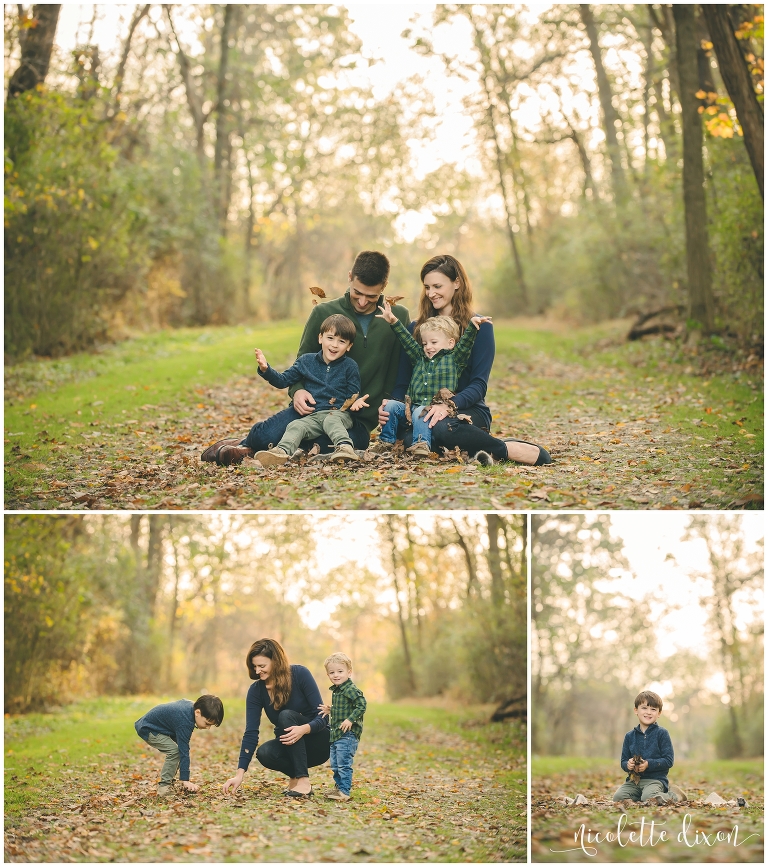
column 400, row 616
column 174, row 610
column 36, row 48
column 610, row 117
column 493, row 523
column 737, row 80
column 221, row 149
column 139, row 13
column 472, row 582
column 701, row 306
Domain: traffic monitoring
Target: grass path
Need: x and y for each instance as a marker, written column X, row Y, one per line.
column 630, row 426
column 429, row 785
column 555, row 827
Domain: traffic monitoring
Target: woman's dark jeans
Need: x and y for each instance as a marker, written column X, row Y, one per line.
column 470, row 438
column 265, row 434
column 297, row 759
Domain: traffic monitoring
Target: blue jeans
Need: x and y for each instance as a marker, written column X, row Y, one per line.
column 342, row 754
column 397, row 423
column 265, row 434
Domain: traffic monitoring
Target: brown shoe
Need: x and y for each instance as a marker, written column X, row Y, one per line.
column 419, row 450
column 273, row 458
column 344, row 452
column 381, row 447
column 229, row 455
column 211, row 452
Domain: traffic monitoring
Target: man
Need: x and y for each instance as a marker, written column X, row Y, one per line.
column 376, row 351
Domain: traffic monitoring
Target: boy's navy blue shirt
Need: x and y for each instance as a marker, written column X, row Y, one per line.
column 655, row 746
column 329, row 384
column 176, row 719
column 304, row 698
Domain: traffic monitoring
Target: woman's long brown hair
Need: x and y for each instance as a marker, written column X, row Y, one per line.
column 281, row 669
column 461, row 304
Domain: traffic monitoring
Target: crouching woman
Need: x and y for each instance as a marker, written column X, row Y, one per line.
column 289, row 696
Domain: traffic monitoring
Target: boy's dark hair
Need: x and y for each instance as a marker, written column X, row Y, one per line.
column 211, row 707
column 371, row 268
column 649, row 698
column 339, row 325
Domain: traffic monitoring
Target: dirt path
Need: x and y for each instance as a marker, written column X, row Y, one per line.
column 420, row 793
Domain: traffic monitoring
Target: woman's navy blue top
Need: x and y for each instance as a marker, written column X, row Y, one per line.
column 304, row 698
column 473, row 382
column 655, row 746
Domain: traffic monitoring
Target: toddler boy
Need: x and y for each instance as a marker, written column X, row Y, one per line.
column 333, row 380
column 168, row 728
column 346, row 710
column 647, row 780
column 437, row 363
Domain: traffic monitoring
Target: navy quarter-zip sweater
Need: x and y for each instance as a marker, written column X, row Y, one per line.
column 655, row 746
column 176, row 719
column 329, row 384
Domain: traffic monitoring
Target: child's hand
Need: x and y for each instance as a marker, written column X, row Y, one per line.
column 386, row 313
column 631, row 764
column 359, row 404
column 325, row 709
column 477, row 321
column 346, row 725
column 643, row 767
column 190, row 787
column 260, row 359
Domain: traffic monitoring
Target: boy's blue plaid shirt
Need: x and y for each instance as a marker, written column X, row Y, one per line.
column 441, row 371
column 348, row 703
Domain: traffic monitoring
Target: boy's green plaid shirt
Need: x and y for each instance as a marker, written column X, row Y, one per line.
column 441, row 371
column 348, row 703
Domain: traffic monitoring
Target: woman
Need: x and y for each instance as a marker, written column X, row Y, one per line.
column 289, row 696
column 448, row 292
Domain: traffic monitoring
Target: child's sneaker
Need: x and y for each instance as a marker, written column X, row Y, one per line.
column 419, row 450
column 338, row 795
column 164, row 791
column 273, row 458
column 381, row 447
column 677, row 793
column 344, row 452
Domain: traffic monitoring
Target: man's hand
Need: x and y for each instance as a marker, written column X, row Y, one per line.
column 383, row 414
column 359, row 404
column 477, row 321
column 260, row 359
column 435, row 414
column 190, row 787
column 303, row 402
column 346, row 725
column 325, row 709
column 386, row 313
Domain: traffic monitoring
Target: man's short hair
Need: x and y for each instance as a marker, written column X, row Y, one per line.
column 339, row 325
column 444, row 324
column 338, row 657
column 211, row 708
column 371, row 268
column 649, row 698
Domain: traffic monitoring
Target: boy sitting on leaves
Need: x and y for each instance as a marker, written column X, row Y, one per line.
column 647, row 755
column 333, row 380
column 437, row 364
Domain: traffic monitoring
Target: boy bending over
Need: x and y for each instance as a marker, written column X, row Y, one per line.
column 437, row 364
column 168, row 728
column 647, row 755
column 333, row 380
column 346, row 711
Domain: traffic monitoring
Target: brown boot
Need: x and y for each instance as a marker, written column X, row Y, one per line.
column 212, row 451
column 229, row 455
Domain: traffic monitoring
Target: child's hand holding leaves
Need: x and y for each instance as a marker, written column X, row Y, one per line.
column 260, row 359
column 359, row 404
column 386, row 313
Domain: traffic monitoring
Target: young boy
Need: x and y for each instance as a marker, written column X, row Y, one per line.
column 346, row 709
column 647, row 780
column 437, row 363
column 333, row 380
column 168, row 728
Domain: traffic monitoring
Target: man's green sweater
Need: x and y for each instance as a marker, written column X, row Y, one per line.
column 377, row 354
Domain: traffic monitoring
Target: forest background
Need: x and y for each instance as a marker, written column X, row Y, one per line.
column 163, row 604
column 211, row 162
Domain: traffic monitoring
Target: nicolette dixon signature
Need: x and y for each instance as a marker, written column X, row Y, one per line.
column 650, row 834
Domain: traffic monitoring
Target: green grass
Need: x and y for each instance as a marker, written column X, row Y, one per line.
column 630, row 425
column 430, row 784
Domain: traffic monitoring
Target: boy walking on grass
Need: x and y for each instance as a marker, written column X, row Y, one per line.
column 346, row 710
column 333, row 380
column 647, row 755
column 438, row 361
column 168, row 728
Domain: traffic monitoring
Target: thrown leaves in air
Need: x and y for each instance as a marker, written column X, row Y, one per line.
column 316, row 290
